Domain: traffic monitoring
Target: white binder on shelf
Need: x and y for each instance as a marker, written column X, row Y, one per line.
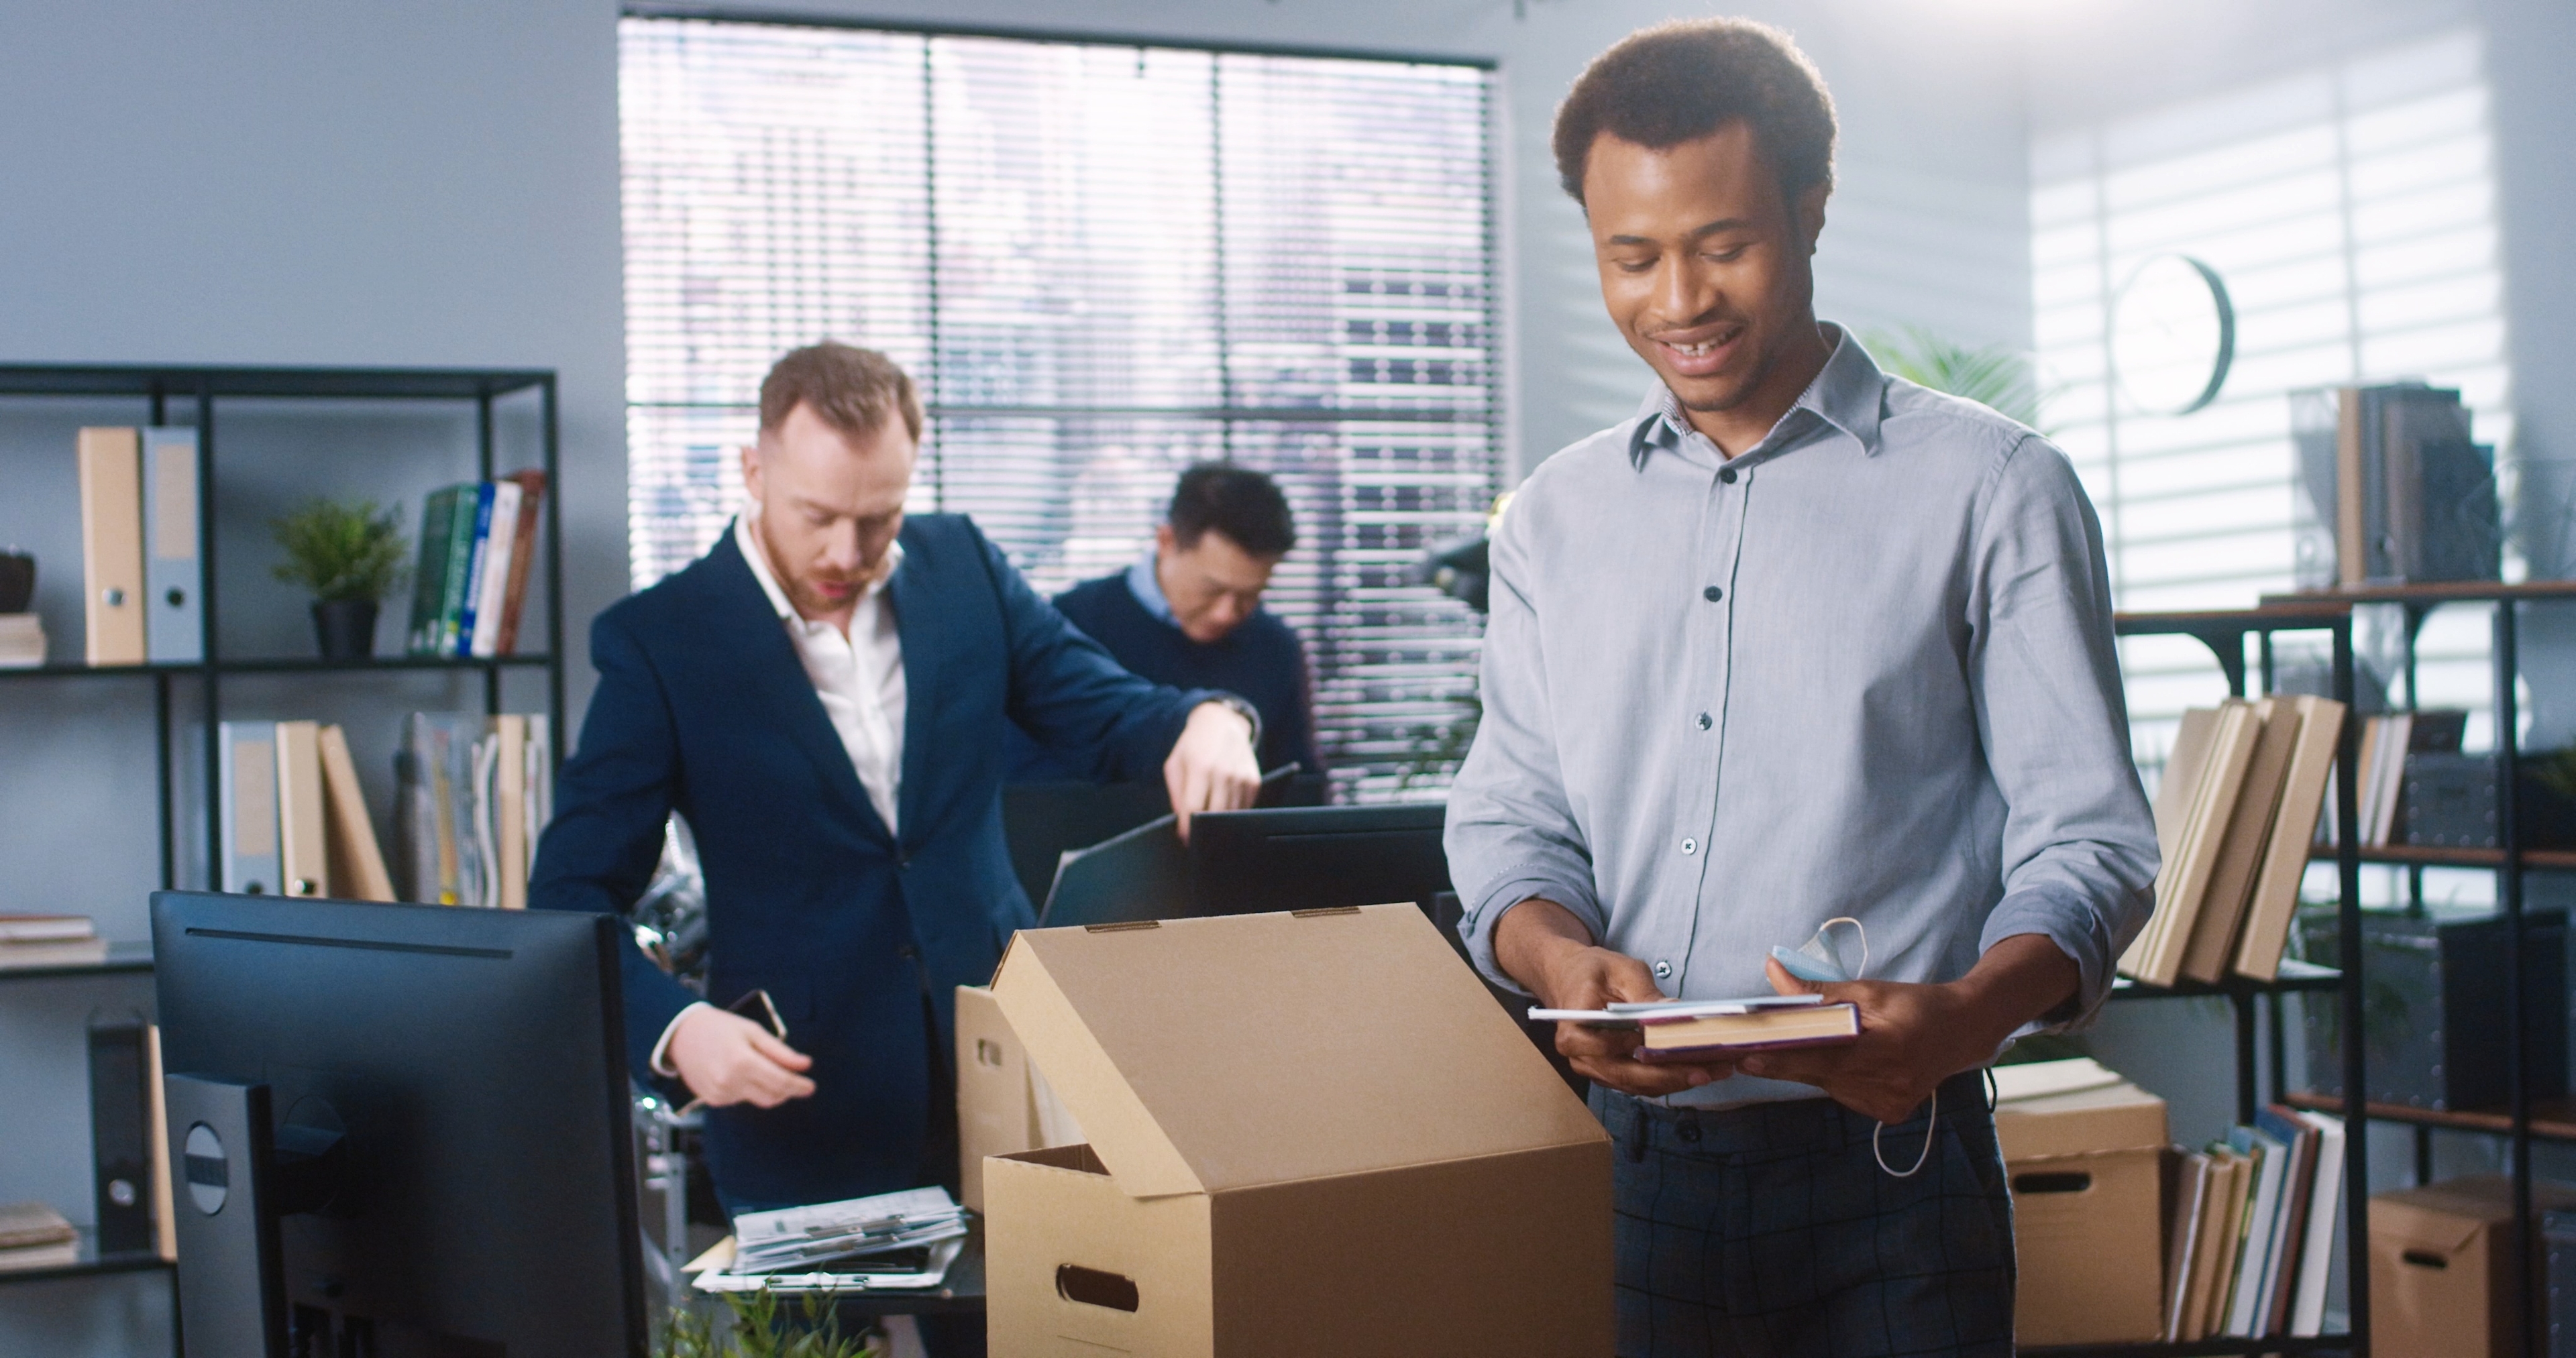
column 492, row 569
column 248, row 766
column 173, row 628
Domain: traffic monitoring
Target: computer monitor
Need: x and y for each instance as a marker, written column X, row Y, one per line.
column 1308, row 858
column 399, row 1131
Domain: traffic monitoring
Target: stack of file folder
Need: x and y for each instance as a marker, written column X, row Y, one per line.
column 893, row 1240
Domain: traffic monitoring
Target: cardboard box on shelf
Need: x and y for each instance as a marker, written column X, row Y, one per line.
column 2441, row 1267
column 1309, row 1133
column 1003, row 1104
column 2084, row 1149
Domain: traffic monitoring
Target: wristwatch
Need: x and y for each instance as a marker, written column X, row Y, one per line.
column 1241, row 709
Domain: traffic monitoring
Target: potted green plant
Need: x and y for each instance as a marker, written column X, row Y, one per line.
column 349, row 556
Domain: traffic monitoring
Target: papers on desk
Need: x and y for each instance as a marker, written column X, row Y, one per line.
column 931, row 1272
column 893, row 1240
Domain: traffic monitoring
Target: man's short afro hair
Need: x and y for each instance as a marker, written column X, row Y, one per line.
column 1682, row 80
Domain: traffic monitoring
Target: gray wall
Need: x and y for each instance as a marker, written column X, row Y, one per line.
column 295, row 181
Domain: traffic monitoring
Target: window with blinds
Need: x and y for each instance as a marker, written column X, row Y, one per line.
column 1102, row 263
column 2350, row 210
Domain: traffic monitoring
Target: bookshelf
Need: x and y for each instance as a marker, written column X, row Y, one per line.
column 164, row 395
column 2229, row 635
column 2523, row 1119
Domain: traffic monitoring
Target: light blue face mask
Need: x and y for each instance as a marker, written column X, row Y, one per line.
column 1827, row 958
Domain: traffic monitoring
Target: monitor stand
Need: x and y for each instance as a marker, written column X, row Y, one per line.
column 238, row 1174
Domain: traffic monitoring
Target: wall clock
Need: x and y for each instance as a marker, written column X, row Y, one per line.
column 2173, row 336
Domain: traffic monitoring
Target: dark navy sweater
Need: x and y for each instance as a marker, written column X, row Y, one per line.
column 1260, row 661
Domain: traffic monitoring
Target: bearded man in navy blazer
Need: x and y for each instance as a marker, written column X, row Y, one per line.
column 824, row 696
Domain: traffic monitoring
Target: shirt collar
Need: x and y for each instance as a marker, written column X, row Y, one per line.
column 1846, row 394
column 1148, row 588
column 758, row 560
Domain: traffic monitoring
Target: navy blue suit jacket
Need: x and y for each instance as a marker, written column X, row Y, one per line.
column 704, row 708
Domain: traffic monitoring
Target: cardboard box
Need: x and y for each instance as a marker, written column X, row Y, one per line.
column 2441, row 1267
column 2084, row 1149
column 1003, row 1104
column 1310, row 1133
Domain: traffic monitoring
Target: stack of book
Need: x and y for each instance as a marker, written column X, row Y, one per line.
column 49, row 941
column 294, row 820
column 2235, row 818
column 33, row 1235
column 477, row 545
column 2395, row 491
column 22, row 641
column 472, row 794
column 2251, row 1241
column 2379, row 791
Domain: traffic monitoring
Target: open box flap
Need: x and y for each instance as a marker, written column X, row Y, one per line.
column 1202, row 1055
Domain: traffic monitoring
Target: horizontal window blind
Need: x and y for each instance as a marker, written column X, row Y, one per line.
column 1102, row 263
column 2350, row 210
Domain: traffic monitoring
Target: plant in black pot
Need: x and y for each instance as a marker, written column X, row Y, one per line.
column 350, row 557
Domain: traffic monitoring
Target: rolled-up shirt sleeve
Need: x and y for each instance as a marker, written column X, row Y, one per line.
column 2079, row 853
column 1512, row 834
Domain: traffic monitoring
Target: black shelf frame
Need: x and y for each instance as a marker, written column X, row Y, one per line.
column 2509, row 861
column 204, row 387
column 2226, row 633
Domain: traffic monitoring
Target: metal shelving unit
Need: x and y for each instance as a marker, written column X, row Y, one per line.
column 205, row 388
column 2226, row 634
column 2522, row 1120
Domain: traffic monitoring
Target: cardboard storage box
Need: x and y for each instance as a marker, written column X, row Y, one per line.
column 1310, row 1133
column 2084, row 1149
column 2441, row 1267
column 1003, row 1104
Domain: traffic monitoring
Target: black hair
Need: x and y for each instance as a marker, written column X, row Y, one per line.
column 1239, row 502
column 1682, row 80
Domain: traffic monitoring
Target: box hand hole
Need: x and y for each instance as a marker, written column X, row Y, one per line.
column 988, row 1052
column 2425, row 1259
column 1092, row 1287
column 2075, row 1182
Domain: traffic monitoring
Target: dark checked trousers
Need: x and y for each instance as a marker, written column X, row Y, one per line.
column 1769, row 1231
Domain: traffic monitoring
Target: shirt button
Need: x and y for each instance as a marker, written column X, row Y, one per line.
column 1712, row 594
column 1726, row 474
column 1690, row 846
column 1662, row 970
column 1703, row 721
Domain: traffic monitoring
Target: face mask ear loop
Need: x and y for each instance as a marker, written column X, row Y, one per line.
column 1930, row 1124
column 1859, row 928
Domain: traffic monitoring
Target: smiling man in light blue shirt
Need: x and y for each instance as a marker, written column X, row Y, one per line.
column 1799, row 641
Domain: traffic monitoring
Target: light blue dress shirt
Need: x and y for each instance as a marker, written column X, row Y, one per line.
column 1864, row 669
column 1148, row 588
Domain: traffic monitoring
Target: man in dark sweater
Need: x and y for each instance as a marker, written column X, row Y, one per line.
column 1189, row 613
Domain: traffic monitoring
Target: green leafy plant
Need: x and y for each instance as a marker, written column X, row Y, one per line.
column 1995, row 376
column 341, row 550
column 759, row 1325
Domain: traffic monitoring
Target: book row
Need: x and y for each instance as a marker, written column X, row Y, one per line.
column 471, row 795
column 477, row 546
column 2251, row 1238
column 2236, row 815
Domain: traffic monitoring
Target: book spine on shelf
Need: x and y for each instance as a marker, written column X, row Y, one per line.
column 460, row 562
column 248, row 772
column 111, row 487
column 477, row 547
column 303, row 849
column 174, row 630
column 429, row 583
column 492, row 567
column 357, row 863
column 523, row 557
